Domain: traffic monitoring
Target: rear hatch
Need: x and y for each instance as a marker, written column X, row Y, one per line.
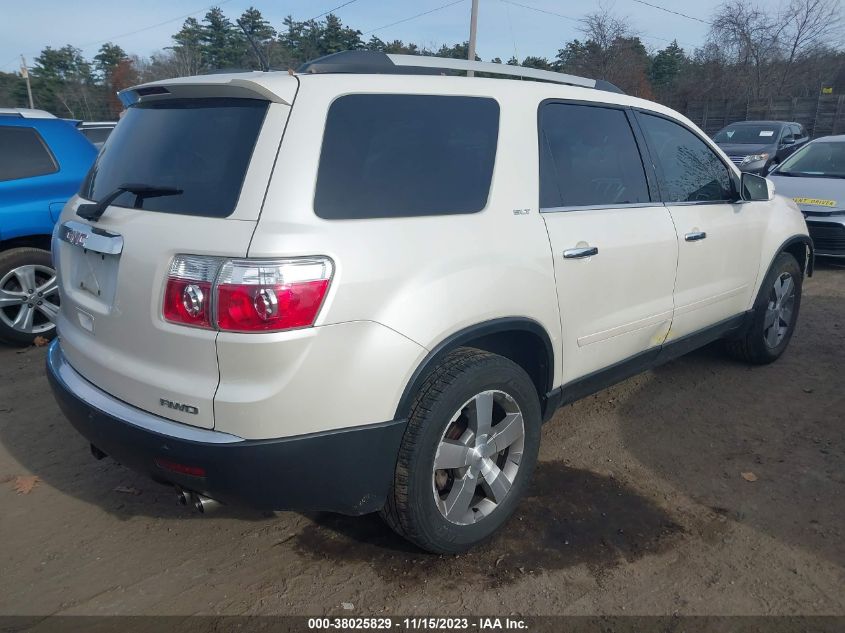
column 205, row 157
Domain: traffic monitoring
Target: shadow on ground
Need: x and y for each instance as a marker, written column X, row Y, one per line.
column 36, row 434
column 570, row 517
column 784, row 425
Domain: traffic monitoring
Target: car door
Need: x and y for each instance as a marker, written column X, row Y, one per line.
column 800, row 136
column 719, row 237
column 26, row 166
column 786, row 143
column 614, row 245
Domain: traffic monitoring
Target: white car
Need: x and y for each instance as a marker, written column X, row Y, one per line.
column 814, row 177
column 362, row 287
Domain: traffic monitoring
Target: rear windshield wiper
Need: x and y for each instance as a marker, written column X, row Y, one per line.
column 93, row 210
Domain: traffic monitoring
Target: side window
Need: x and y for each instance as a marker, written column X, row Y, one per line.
column 389, row 155
column 588, row 157
column 23, row 154
column 796, row 131
column 689, row 170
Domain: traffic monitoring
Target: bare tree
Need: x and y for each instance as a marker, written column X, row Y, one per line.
column 752, row 38
column 604, row 29
column 766, row 45
column 810, row 25
column 611, row 50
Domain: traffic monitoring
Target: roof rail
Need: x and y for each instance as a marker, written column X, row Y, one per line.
column 375, row 62
column 26, row 113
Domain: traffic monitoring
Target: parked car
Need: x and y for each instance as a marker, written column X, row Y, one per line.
column 96, row 131
column 814, row 178
column 362, row 288
column 42, row 162
column 759, row 146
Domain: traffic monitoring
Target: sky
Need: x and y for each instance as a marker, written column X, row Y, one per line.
column 505, row 27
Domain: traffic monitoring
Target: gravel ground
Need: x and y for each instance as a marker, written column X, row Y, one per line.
column 639, row 506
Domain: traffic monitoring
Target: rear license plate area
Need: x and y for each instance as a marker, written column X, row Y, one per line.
column 90, row 260
column 94, row 273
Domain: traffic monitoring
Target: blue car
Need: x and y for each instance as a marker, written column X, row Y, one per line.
column 43, row 160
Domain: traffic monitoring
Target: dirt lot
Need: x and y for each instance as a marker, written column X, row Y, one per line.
column 639, row 507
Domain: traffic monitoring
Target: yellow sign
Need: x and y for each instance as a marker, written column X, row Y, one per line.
column 827, row 90
column 816, row 202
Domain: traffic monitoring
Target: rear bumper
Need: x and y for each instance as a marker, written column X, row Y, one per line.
column 347, row 471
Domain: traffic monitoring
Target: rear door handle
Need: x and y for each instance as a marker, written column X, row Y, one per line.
column 695, row 236
column 579, row 253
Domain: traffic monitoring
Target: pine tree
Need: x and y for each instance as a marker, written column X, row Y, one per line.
column 223, row 46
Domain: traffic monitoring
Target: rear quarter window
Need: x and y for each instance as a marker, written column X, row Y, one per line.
column 406, row 155
column 200, row 146
column 24, row 154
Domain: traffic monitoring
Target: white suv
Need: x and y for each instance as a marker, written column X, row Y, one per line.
column 362, row 287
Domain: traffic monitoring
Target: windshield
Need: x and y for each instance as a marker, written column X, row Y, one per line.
column 816, row 159
column 201, row 147
column 748, row 134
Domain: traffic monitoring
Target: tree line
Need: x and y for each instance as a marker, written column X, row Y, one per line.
column 749, row 52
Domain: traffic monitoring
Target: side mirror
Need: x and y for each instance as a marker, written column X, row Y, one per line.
column 788, row 140
column 755, row 188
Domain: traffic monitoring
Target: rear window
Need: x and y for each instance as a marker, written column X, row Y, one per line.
column 23, row 154
column 746, row 134
column 406, row 155
column 201, row 146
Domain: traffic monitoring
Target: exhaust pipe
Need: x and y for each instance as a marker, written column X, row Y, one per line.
column 183, row 497
column 201, row 503
column 205, row 504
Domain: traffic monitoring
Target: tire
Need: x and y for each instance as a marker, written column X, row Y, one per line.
column 760, row 343
column 420, row 503
column 22, row 317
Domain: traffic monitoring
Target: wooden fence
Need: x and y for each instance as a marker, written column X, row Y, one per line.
column 822, row 116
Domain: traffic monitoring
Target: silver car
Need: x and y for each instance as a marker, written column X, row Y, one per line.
column 814, row 177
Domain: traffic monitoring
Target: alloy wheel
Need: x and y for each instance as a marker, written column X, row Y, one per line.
column 29, row 299
column 478, row 457
column 779, row 310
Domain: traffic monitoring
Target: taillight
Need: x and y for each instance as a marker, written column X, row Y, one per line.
column 243, row 295
column 187, row 297
column 261, row 296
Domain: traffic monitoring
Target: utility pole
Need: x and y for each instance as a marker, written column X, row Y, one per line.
column 25, row 75
column 473, row 27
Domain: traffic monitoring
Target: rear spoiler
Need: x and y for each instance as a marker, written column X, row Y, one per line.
column 214, row 86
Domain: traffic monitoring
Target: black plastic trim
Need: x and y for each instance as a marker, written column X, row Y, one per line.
column 459, row 338
column 797, row 239
column 603, row 84
column 347, row 471
column 604, row 378
column 694, row 340
column 361, row 62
